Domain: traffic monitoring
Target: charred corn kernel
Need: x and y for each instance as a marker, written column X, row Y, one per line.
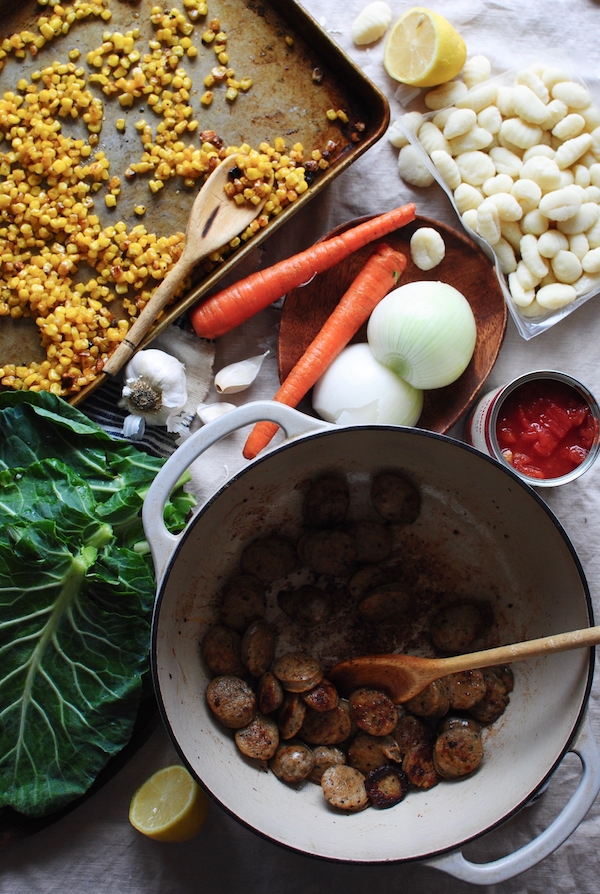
column 207, row 97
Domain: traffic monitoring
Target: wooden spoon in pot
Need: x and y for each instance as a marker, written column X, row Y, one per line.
column 214, row 220
column 404, row 676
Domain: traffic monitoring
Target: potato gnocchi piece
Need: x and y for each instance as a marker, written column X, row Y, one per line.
column 459, row 122
column 507, row 205
column 497, row 183
column 478, row 98
column 476, row 138
column 467, row 197
column 561, row 204
column 568, row 127
column 555, row 296
column 469, row 219
column 445, row 95
column 412, row 168
column 530, row 79
column 511, row 231
column 505, row 161
column 488, row 222
column 427, row 248
column 491, row 119
column 572, row 150
column 573, row 95
column 582, row 221
column 590, row 263
column 551, row 242
column 371, row 23
column 579, row 245
column 556, row 110
column 520, row 133
column 535, row 222
column 506, row 256
column 396, row 133
column 566, row 267
column 543, row 171
column 526, row 277
column 521, row 296
column 531, row 257
column 475, row 167
column 476, row 70
column 446, row 168
column 528, row 106
column 431, row 137
column 527, row 193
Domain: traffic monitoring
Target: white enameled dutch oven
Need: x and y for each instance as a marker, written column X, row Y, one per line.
column 479, row 519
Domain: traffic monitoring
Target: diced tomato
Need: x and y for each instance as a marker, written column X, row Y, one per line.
column 546, row 428
column 546, row 443
column 558, row 420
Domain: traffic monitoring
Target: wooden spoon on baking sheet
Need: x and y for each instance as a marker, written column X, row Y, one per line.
column 214, row 220
column 404, row 676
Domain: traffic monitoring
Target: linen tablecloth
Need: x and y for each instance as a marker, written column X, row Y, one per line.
column 94, row 850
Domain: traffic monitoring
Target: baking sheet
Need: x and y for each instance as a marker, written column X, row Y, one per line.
column 298, row 73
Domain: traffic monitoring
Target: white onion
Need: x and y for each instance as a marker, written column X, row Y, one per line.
column 358, row 390
column 425, row 332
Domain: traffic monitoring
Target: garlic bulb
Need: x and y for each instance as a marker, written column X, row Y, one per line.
column 238, row 376
column 154, row 391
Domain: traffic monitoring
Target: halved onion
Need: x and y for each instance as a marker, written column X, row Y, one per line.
column 358, row 390
column 425, row 332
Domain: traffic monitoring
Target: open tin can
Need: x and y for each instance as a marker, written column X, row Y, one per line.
column 486, row 428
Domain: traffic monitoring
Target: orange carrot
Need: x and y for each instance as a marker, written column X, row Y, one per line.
column 233, row 305
column 380, row 274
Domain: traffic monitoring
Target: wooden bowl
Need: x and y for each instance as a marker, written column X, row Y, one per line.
column 465, row 267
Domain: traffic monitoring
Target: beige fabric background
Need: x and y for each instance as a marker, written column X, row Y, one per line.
column 94, row 850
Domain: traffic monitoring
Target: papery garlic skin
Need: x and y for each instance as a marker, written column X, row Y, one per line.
column 238, row 376
column 154, row 391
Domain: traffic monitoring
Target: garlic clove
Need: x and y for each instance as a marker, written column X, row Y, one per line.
column 238, row 376
column 134, row 427
column 208, row 412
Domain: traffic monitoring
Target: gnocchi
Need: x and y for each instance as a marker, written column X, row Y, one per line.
column 522, row 163
column 371, row 23
column 412, row 168
column 427, row 248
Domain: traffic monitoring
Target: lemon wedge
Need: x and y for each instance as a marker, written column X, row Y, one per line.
column 423, row 49
column 169, row 806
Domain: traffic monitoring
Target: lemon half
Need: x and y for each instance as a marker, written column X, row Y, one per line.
column 423, row 49
column 169, row 806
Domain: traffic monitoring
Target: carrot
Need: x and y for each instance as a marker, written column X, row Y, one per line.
column 380, row 274
column 233, row 305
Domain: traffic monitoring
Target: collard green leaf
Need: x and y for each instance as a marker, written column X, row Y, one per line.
column 74, row 635
column 76, row 593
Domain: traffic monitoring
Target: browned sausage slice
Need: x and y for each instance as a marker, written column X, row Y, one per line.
column 344, row 788
column 373, row 711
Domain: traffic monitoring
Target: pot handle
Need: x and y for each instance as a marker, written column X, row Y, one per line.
column 162, row 542
column 455, row 864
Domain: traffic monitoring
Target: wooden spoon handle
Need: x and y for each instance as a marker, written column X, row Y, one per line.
column 545, row 645
column 143, row 323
